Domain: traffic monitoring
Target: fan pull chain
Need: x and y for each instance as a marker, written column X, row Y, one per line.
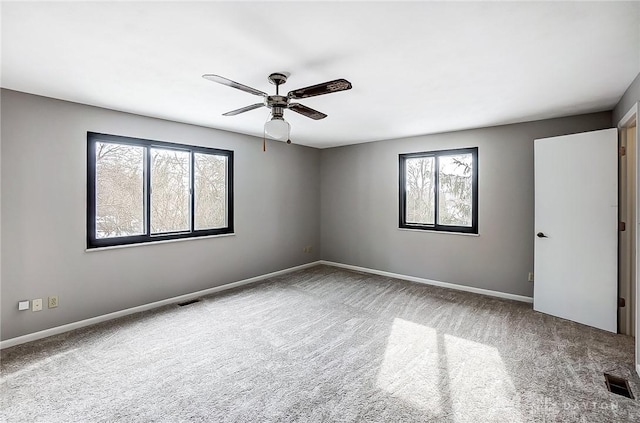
column 264, row 140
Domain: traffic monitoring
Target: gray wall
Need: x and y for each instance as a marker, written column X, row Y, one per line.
column 359, row 207
column 282, row 200
column 43, row 216
column 630, row 97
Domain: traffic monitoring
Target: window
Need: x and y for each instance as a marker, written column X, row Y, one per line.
column 142, row 191
column 439, row 190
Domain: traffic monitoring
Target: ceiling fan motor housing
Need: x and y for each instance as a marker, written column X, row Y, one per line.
column 273, row 101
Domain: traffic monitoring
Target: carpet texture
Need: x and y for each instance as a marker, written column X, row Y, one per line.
column 324, row 344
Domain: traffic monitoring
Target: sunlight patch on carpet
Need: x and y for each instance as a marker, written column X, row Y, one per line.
column 480, row 384
column 410, row 368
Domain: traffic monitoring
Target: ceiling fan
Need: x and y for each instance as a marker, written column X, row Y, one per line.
column 278, row 128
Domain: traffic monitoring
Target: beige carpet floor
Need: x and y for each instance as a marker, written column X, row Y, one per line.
column 324, row 344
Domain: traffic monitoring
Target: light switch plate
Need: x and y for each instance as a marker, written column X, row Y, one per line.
column 23, row 305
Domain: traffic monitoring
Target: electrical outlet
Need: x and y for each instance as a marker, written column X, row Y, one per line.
column 23, row 305
column 530, row 277
column 307, row 249
column 53, row 301
column 36, row 305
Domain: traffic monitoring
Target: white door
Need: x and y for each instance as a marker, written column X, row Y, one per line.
column 576, row 225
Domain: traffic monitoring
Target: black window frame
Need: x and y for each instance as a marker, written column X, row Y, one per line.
column 92, row 242
column 473, row 229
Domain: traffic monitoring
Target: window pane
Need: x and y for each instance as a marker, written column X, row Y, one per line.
column 119, row 190
column 170, row 200
column 455, row 190
column 420, row 180
column 210, row 184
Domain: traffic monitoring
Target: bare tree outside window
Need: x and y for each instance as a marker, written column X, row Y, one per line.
column 170, row 197
column 142, row 191
column 438, row 190
column 420, row 190
column 210, row 190
column 455, row 190
column 119, row 190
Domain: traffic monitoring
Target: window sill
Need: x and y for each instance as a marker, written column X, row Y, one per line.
column 437, row 232
column 164, row 241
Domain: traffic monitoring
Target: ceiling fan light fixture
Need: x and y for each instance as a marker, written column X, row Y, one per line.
column 277, row 128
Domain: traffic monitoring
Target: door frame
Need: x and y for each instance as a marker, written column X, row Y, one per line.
column 629, row 119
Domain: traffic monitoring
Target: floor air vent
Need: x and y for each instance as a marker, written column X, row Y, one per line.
column 618, row 385
column 186, row 303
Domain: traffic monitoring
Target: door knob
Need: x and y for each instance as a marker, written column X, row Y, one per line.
column 541, row 235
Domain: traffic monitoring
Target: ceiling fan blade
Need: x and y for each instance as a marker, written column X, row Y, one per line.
column 319, row 89
column 307, row 111
column 233, row 84
column 243, row 109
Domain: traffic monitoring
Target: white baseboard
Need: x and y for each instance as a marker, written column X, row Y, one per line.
column 638, row 369
column 432, row 282
column 105, row 317
column 186, row 297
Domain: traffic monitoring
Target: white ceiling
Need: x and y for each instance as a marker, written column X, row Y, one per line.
column 416, row 67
